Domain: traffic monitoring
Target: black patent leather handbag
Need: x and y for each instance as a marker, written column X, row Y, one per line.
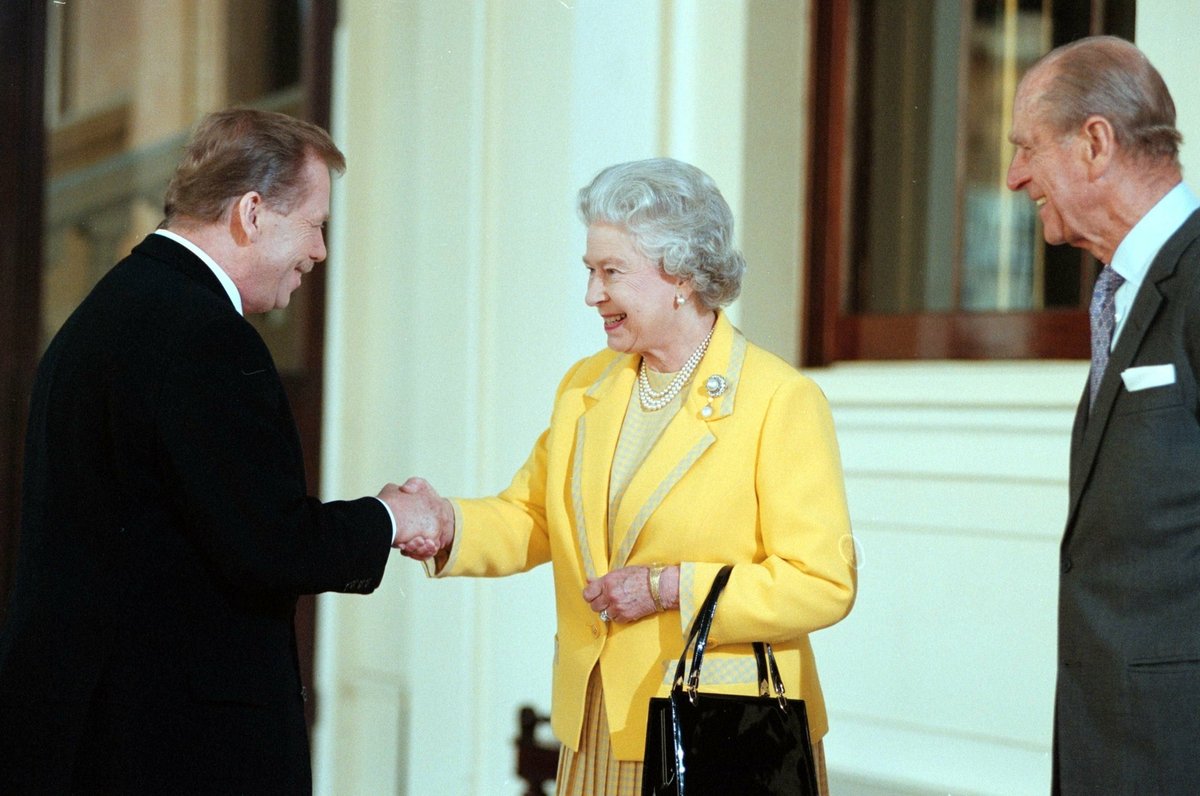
column 702, row 743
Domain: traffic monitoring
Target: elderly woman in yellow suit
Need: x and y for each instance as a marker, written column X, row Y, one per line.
column 678, row 449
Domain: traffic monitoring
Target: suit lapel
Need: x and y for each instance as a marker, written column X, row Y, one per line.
column 687, row 436
column 1090, row 426
column 596, row 433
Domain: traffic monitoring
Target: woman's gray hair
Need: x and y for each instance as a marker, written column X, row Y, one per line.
column 676, row 216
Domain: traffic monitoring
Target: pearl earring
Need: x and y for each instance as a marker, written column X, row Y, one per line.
column 678, row 300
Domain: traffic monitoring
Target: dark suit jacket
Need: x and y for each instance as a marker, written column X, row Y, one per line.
column 1127, row 708
column 166, row 534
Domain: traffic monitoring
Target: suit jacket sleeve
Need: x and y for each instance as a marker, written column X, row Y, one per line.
column 233, row 454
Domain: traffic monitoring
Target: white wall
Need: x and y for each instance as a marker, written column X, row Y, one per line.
column 1165, row 32
column 942, row 679
column 455, row 301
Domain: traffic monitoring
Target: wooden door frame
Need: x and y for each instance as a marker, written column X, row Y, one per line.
column 22, row 149
column 306, row 393
column 833, row 331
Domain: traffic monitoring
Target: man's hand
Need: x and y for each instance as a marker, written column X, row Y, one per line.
column 424, row 519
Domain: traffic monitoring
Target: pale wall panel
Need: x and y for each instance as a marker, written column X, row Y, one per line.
column 960, row 625
column 1165, row 31
column 1020, row 509
column 377, row 705
column 940, row 451
column 941, row 680
column 403, row 264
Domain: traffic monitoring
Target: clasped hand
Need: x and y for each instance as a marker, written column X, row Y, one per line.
column 622, row 595
column 424, row 519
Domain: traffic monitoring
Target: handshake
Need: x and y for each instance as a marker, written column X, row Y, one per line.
column 424, row 519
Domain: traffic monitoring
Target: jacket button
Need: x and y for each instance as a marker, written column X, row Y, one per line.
column 1066, row 564
column 595, row 630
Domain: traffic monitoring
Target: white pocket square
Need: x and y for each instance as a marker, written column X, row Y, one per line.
column 1147, row 376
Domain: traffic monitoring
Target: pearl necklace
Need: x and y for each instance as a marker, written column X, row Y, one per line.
column 653, row 401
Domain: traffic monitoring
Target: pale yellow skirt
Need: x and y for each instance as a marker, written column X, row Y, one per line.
column 593, row 771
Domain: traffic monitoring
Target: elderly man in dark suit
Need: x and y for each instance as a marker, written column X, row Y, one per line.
column 1097, row 151
column 167, row 528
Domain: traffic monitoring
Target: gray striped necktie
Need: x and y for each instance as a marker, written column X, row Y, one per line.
column 1103, row 315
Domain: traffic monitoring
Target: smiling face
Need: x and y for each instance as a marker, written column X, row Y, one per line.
column 635, row 297
column 1052, row 169
column 288, row 244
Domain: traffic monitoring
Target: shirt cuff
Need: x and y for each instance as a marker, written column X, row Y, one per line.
column 391, row 519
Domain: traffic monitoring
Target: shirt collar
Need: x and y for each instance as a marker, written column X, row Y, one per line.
column 219, row 272
column 1137, row 251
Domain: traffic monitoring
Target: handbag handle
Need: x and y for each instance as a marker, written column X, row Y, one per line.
column 698, row 638
column 765, row 682
column 768, row 670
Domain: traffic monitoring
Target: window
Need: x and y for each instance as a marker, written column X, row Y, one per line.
column 917, row 248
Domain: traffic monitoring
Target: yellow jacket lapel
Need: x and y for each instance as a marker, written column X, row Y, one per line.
column 596, row 434
column 686, row 438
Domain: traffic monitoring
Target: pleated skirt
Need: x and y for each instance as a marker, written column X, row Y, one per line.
column 594, row 771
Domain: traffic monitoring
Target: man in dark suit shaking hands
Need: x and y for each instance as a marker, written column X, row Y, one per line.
column 167, row 528
column 1097, row 150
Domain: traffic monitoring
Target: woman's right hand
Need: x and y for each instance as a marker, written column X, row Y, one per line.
column 623, row 595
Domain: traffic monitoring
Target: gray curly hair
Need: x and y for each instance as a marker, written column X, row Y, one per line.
column 676, row 216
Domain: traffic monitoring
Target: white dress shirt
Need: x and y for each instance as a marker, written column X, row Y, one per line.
column 1141, row 245
column 222, row 277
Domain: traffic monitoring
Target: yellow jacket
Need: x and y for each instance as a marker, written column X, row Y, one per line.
column 757, row 484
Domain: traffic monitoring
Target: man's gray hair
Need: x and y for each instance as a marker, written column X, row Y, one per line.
column 1109, row 77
